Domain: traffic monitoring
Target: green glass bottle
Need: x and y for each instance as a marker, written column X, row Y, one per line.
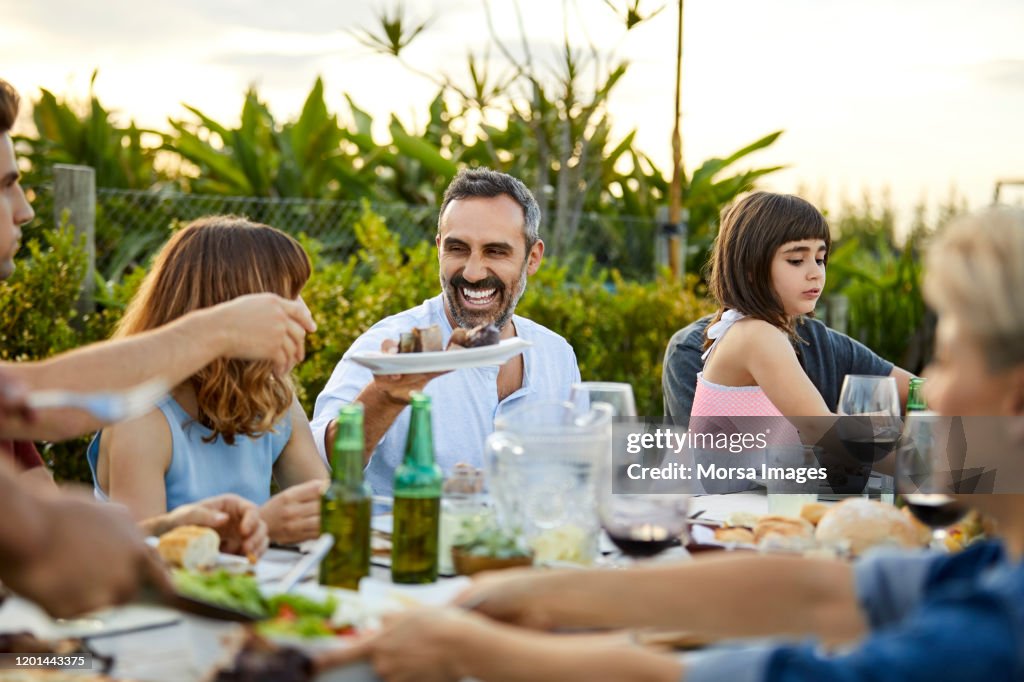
column 417, row 510
column 915, row 403
column 915, row 396
column 345, row 507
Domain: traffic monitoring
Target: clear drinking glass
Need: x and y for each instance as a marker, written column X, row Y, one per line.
column 618, row 395
column 463, row 512
column 786, row 496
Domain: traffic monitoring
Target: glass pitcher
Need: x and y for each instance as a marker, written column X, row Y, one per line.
column 547, row 467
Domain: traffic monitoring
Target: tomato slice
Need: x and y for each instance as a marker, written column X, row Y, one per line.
column 287, row 613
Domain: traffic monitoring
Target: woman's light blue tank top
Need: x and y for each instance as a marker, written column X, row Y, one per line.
column 199, row 470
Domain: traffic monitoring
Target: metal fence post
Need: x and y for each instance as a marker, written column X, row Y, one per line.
column 74, row 190
column 837, row 313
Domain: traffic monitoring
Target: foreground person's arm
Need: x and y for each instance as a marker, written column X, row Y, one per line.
column 254, row 327
column 969, row 634
column 775, row 594
column 449, row 644
column 69, row 554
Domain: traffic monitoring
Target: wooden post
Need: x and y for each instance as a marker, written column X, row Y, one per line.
column 676, row 259
column 74, row 191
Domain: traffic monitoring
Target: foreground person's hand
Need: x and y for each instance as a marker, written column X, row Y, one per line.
column 416, row 646
column 13, row 396
column 518, row 596
column 265, row 327
column 89, row 556
column 293, row 515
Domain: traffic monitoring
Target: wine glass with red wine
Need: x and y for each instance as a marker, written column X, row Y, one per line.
column 925, row 477
column 877, row 401
column 643, row 526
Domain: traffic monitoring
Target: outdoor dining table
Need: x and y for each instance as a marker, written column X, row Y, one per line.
column 157, row 644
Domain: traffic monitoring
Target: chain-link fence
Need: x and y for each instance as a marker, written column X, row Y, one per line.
column 130, row 224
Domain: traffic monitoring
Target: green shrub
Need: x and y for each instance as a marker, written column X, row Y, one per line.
column 619, row 329
column 880, row 275
column 38, row 319
column 348, row 297
column 37, row 303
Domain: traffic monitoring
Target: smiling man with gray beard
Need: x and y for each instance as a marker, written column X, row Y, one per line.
column 487, row 247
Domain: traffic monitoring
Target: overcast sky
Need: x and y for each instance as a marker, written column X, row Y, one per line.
column 915, row 95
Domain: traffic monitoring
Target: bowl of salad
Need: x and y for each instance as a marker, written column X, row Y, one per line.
column 312, row 616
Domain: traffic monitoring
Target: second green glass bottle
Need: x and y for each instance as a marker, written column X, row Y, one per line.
column 417, row 509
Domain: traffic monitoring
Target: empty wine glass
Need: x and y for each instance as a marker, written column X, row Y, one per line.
column 925, row 477
column 618, row 395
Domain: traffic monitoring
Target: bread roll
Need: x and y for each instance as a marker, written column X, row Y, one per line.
column 190, row 547
column 813, row 512
column 786, row 526
column 866, row 523
column 743, row 536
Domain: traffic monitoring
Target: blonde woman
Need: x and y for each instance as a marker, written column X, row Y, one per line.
column 233, row 425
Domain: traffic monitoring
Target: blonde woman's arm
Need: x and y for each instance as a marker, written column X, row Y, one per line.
column 775, row 594
column 235, row 519
column 452, row 644
column 902, row 378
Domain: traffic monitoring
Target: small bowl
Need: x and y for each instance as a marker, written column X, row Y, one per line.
column 468, row 564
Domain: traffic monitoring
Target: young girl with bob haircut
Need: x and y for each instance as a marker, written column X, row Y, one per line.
column 767, row 269
column 233, row 425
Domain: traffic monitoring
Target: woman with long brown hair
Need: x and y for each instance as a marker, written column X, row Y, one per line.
column 233, row 425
